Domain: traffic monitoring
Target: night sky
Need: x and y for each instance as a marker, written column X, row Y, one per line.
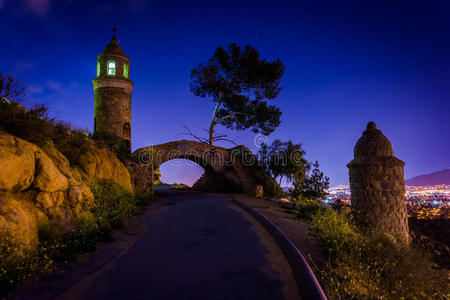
column 348, row 62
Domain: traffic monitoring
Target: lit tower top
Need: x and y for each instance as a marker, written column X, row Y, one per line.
column 112, row 90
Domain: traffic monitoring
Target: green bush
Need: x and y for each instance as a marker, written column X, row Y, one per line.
column 142, row 198
column 180, row 186
column 112, row 203
column 307, row 208
column 371, row 265
column 114, row 144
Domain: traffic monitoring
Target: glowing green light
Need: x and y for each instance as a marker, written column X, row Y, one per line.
column 126, row 71
column 111, row 68
column 98, row 68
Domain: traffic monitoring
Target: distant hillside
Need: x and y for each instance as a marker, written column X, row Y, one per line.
column 439, row 177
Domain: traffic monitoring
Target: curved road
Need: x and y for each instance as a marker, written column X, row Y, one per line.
column 197, row 247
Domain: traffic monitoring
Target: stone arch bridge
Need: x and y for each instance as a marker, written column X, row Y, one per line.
column 226, row 170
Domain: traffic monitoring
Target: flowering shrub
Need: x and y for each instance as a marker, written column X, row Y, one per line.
column 112, row 203
column 18, row 264
column 370, row 265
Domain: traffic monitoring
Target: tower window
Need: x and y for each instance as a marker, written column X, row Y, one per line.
column 111, row 68
column 98, row 68
column 126, row 131
column 126, row 71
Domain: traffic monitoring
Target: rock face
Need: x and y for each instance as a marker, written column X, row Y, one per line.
column 38, row 185
column 101, row 164
column 377, row 185
column 17, row 166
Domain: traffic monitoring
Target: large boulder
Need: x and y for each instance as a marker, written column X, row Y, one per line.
column 19, row 221
column 80, row 198
column 58, row 158
column 17, row 163
column 46, row 200
column 101, row 164
column 48, row 177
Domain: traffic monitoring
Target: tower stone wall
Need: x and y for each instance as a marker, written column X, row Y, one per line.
column 377, row 185
column 113, row 90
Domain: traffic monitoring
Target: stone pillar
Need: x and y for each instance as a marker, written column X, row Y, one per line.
column 377, row 185
column 141, row 176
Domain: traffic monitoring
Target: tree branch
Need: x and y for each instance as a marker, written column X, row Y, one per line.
column 221, row 137
column 226, row 140
column 190, row 133
column 232, row 116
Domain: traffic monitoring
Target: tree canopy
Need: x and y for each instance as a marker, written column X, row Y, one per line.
column 313, row 186
column 239, row 82
column 284, row 160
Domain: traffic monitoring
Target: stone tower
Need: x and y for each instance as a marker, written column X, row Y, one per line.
column 377, row 184
column 112, row 90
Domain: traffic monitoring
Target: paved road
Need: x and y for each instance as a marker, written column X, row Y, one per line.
column 198, row 247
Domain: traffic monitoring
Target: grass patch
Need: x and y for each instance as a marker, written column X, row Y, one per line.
column 365, row 265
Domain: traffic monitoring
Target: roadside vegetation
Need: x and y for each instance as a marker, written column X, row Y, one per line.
column 369, row 265
column 113, row 207
column 362, row 264
column 180, row 187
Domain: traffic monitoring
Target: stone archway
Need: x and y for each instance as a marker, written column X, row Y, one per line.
column 226, row 170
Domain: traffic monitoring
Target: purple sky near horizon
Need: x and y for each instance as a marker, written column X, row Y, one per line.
column 348, row 63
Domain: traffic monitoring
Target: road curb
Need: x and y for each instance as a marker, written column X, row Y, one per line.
column 307, row 282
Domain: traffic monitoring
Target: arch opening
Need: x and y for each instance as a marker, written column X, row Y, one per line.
column 179, row 170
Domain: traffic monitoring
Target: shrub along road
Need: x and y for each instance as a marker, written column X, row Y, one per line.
column 197, row 247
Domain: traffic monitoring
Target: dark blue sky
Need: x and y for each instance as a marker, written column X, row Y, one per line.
column 348, row 62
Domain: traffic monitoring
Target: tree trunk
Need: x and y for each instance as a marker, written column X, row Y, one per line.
column 279, row 182
column 213, row 122
column 211, row 133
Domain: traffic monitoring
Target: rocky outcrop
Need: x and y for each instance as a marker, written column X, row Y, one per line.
column 18, row 163
column 101, row 164
column 38, row 185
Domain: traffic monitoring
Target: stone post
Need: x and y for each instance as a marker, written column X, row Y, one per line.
column 377, row 185
column 141, row 176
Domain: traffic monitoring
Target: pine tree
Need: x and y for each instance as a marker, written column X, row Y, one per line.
column 313, row 187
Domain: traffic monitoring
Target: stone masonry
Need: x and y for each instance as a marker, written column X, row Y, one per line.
column 377, row 185
column 113, row 89
column 141, row 176
column 226, row 170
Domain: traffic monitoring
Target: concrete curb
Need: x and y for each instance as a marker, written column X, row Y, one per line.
column 306, row 280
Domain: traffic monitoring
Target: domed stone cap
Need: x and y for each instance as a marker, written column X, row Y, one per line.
column 114, row 48
column 373, row 143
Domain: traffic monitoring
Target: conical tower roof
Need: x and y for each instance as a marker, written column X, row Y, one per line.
column 373, row 143
column 114, row 48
